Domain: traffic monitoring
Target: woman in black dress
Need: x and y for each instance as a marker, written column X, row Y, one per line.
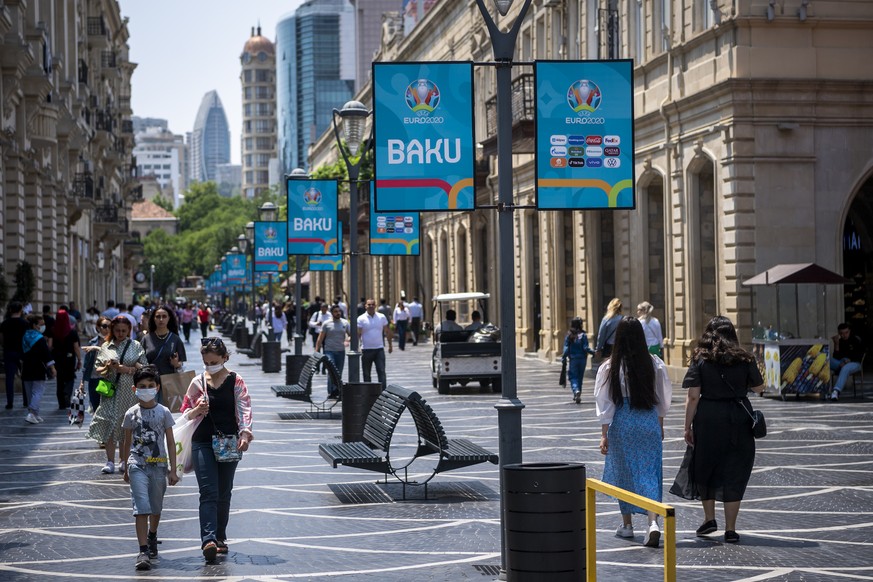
column 716, row 425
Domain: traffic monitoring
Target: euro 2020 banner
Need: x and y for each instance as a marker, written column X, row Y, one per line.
column 423, row 133
column 330, row 262
column 584, row 134
column 236, row 269
column 312, row 217
column 271, row 247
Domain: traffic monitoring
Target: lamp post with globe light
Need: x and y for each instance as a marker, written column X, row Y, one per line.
column 245, row 245
column 298, row 174
column 353, row 118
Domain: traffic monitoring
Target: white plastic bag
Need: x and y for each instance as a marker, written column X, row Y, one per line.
column 183, row 431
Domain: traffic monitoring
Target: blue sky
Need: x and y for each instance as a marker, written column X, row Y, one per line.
column 186, row 48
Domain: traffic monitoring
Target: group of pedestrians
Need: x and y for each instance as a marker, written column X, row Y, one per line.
column 632, row 395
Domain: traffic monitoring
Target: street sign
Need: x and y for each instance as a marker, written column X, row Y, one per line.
column 584, row 135
column 424, row 136
column 394, row 234
column 312, row 216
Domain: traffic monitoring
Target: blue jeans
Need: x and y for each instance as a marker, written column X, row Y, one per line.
column 216, row 484
column 12, row 365
column 401, row 329
column 338, row 359
column 575, row 373
column 370, row 357
column 277, row 336
column 844, row 372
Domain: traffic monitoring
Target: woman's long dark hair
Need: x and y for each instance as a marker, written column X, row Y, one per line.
column 719, row 344
column 631, row 353
column 172, row 323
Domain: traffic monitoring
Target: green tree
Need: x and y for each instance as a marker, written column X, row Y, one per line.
column 164, row 203
column 25, row 282
column 162, row 251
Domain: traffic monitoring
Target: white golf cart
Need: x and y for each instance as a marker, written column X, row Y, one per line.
column 461, row 357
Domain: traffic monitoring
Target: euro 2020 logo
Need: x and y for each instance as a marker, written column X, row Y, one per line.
column 584, row 95
column 422, row 96
column 271, row 233
column 312, row 197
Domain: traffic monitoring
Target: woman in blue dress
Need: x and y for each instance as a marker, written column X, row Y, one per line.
column 632, row 396
column 576, row 350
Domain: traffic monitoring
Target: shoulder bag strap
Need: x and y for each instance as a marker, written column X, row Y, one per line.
column 738, row 400
column 121, row 359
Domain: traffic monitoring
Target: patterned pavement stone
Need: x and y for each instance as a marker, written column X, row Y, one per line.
column 808, row 514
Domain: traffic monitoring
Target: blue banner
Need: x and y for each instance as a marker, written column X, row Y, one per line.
column 424, row 136
column 584, row 134
column 271, row 247
column 393, row 234
column 236, row 269
column 329, row 262
column 312, row 216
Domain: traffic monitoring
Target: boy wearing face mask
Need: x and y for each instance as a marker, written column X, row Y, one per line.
column 148, row 435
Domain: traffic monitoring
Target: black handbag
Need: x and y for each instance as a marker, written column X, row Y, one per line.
column 684, row 485
column 562, row 381
column 759, row 423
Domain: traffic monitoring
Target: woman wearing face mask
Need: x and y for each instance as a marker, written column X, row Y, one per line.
column 119, row 358
column 221, row 398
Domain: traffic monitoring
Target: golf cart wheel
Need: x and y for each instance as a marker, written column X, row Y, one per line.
column 443, row 387
column 434, row 380
column 497, row 385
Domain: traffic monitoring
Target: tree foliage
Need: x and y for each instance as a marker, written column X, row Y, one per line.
column 25, row 282
column 164, row 203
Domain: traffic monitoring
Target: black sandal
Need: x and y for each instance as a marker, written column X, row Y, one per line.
column 707, row 528
column 731, row 537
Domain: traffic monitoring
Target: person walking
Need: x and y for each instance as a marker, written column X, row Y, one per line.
column 151, row 462
column 219, row 396
column 719, row 377
column 163, row 346
column 90, row 376
column 416, row 312
column 187, row 321
column 608, row 325
column 374, row 327
column 119, row 358
column 67, row 353
column 318, row 319
column 89, row 329
column 333, row 339
column 652, row 328
column 576, row 351
column 279, row 323
column 401, row 322
column 632, row 396
column 36, row 365
column 13, row 329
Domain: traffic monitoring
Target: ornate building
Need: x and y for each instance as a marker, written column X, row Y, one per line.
column 66, row 175
column 258, row 78
column 754, row 147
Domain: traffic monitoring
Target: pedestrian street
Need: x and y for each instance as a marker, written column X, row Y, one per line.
column 808, row 512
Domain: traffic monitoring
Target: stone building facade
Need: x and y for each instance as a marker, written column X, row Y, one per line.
column 66, row 173
column 754, row 147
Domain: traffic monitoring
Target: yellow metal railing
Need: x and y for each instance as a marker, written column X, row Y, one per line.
column 592, row 486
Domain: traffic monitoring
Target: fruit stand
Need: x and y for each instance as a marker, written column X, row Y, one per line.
column 789, row 363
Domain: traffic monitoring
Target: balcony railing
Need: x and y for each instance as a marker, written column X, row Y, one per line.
column 106, row 214
column 103, row 121
column 107, row 59
column 83, row 185
column 523, row 116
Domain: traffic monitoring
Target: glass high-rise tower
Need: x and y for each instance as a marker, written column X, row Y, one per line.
column 315, row 73
column 210, row 141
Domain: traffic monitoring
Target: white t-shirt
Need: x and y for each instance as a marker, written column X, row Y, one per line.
column 401, row 314
column 371, row 330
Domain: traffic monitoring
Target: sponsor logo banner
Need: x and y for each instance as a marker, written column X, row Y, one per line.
column 312, row 216
column 423, row 134
column 591, row 103
column 395, row 233
column 271, row 247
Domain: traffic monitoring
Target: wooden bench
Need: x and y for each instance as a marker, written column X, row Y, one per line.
column 302, row 390
column 374, row 452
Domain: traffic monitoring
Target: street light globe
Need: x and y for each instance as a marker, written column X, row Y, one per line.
column 354, row 115
column 250, row 232
column 298, row 173
column 503, row 6
column 242, row 242
column 268, row 212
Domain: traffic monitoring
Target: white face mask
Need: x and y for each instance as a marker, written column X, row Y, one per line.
column 146, row 394
column 41, row 329
column 214, row 369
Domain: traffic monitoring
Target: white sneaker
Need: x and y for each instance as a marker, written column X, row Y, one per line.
column 625, row 531
column 835, row 395
column 108, row 468
column 31, row 418
column 39, row 418
column 652, row 536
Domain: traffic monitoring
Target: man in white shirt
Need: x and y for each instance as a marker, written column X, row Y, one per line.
column 342, row 305
column 373, row 327
column 317, row 320
column 416, row 311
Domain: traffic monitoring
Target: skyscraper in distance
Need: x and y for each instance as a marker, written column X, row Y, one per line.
column 210, row 141
column 315, row 73
column 368, row 34
column 258, row 143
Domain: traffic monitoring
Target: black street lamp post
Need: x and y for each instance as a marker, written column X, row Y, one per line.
column 298, row 173
column 353, row 118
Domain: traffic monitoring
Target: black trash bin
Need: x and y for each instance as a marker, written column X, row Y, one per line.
column 293, row 367
column 271, row 356
column 358, row 399
column 544, row 520
column 242, row 340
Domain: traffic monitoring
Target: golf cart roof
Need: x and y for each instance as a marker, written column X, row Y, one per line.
column 459, row 297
